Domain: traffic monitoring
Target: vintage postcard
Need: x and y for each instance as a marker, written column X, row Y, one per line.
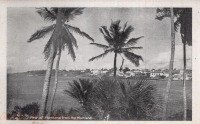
column 69, row 61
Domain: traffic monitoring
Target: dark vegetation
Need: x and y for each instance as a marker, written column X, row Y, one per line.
column 107, row 99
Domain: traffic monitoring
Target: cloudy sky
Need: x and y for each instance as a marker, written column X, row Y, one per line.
column 23, row 56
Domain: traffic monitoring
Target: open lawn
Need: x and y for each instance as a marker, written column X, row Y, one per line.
column 22, row 89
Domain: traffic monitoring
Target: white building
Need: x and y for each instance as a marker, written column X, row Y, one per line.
column 95, row 71
column 155, row 73
column 129, row 74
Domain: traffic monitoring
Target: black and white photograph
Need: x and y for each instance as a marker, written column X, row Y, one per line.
column 99, row 63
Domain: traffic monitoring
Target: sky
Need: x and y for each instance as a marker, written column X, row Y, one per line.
column 23, row 56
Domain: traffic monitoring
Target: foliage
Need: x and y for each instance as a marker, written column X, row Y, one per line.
column 114, row 99
column 118, row 43
column 80, row 90
column 66, row 39
column 24, row 112
column 59, row 112
column 183, row 21
column 142, row 100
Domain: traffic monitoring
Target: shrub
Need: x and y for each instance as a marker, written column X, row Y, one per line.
column 113, row 99
column 80, row 90
column 24, row 112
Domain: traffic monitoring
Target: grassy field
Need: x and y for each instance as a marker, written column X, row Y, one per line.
column 22, row 89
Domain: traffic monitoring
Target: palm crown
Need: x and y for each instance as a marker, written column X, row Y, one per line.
column 184, row 21
column 117, row 39
column 66, row 39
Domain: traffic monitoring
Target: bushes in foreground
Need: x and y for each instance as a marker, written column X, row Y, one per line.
column 21, row 113
column 113, row 99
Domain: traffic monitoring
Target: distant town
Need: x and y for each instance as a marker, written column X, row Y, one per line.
column 125, row 73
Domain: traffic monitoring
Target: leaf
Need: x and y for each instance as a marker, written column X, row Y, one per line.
column 46, row 14
column 132, row 41
column 71, row 37
column 131, row 48
column 78, row 31
column 41, row 33
column 100, row 46
column 125, row 34
column 101, row 55
column 133, row 58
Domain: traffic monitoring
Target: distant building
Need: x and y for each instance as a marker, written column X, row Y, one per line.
column 98, row 71
column 129, row 74
column 177, row 77
column 155, row 73
column 95, row 72
column 119, row 73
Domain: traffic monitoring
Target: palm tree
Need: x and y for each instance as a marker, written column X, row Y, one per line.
column 60, row 39
column 116, row 38
column 166, row 12
column 184, row 21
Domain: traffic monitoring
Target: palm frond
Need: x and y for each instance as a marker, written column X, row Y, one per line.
column 132, row 41
column 104, row 28
column 161, row 13
column 69, row 46
column 125, row 26
column 74, row 90
column 115, row 28
column 41, row 33
column 46, row 14
column 49, row 12
column 78, row 31
column 125, row 34
column 143, row 99
column 109, row 39
column 70, row 13
column 80, row 90
column 54, row 10
column 47, row 49
column 131, row 48
column 133, row 58
column 177, row 24
column 101, row 55
column 100, row 46
column 71, row 37
column 77, row 11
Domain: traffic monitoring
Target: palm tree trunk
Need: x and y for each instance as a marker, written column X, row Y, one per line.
column 45, row 92
column 115, row 66
column 170, row 66
column 56, row 34
column 184, row 81
column 55, row 85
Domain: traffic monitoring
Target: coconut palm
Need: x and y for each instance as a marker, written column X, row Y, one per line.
column 184, row 21
column 116, row 38
column 60, row 39
column 166, row 12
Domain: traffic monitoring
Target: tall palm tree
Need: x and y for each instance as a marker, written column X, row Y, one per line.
column 166, row 12
column 116, row 38
column 184, row 21
column 60, row 39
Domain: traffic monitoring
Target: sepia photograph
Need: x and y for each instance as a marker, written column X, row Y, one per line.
column 99, row 63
